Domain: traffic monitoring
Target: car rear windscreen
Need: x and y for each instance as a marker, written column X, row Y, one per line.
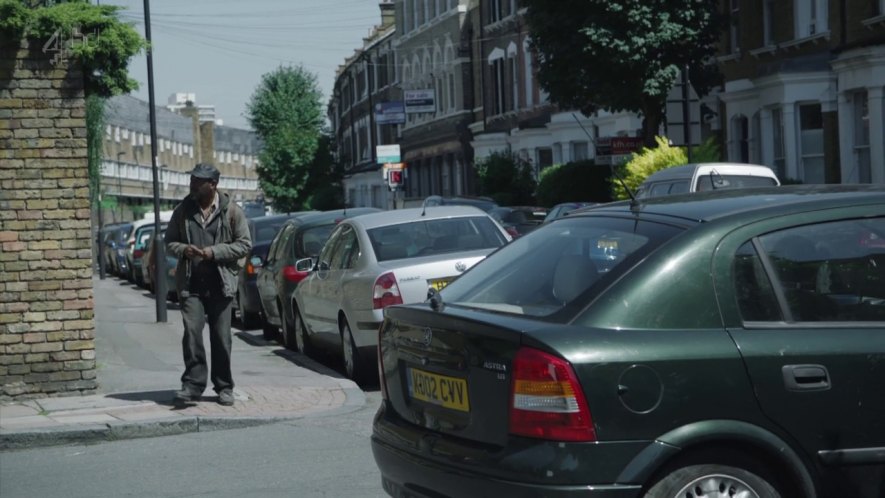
column 431, row 237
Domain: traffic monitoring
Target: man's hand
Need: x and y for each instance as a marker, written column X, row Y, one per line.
column 192, row 251
column 207, row 253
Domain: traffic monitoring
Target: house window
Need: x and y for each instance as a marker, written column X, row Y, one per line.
column 495, row 11
column 780, row 162
column 756, row 141
column 514, row 83
column 811, row 142
column 735, row 26
column 451, row 91
column 740, row 139
column 498, row 86
column 811, row 17
column 768, row 23
column 881, row 8
column 862, row 136
column 579, row 151
column 545, row 157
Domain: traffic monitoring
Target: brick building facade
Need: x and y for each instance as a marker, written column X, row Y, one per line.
column 46, row 309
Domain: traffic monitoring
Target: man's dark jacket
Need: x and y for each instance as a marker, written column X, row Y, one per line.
column 231, row 245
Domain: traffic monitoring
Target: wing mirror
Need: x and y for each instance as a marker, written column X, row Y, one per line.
column 304, row 265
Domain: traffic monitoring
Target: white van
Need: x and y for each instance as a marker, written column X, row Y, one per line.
column 706, row 176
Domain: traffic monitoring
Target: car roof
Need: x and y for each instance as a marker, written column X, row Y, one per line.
column 276, row 218
column 688, row 170
column 397, row 216
column 712, row 205
column 325, row 217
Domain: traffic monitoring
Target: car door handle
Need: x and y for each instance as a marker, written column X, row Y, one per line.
column 806, row 377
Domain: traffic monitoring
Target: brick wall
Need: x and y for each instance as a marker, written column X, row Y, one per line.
column 46, row 310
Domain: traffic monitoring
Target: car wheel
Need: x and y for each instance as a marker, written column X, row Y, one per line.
column 267, row 330
column 247, row 320
column 712, row 481
column 302, row 341
column 353, row 364
column 286, row 330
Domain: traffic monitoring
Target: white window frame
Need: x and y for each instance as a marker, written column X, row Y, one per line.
column 768, row 22
column 860, row 140
column 734, row 25
column 811, row 17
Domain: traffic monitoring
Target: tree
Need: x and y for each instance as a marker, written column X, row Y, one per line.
column 507, row 179
column 324, row 189
column 286, row 112
column 622, row 55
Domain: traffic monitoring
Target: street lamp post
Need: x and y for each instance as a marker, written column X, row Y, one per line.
column 120, row 184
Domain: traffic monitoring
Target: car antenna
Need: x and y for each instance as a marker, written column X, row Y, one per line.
column 424, row 206
column 633, row 202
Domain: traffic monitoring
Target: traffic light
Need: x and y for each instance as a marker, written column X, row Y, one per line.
column 395, row 178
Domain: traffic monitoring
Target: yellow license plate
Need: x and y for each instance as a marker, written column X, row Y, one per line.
column 439, row 283
column 442, row 390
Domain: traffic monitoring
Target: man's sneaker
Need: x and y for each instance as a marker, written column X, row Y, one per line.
column 226, row 397
column 185, row 396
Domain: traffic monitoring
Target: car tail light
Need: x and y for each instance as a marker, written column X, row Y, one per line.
column 547, row 400
column 252, row 268
column 293, row 275
column 138, row 253
column 385, row 292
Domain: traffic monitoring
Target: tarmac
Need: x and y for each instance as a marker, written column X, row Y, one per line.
column 139, row 365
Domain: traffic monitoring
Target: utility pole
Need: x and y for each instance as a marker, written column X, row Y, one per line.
column 159, row 252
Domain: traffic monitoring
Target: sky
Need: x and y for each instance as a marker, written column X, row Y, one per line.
column 219, row 49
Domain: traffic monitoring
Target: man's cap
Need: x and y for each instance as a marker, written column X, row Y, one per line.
column 206, row 171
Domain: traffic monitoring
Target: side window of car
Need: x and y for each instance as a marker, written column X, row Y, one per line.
column 831, row 271
column 755, row 294
column 274, row 246
column 679, row 187
column 346, row 243
column 329, row 248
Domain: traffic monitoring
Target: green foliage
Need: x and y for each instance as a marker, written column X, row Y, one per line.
column 506, row 178
column 581, row 181
column 106, row 51
column 286, row 112
column 324, row 183
column 651, row 160
column 94, row 135
column 622, row 55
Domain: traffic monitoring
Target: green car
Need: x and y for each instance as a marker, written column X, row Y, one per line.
column 721, row 344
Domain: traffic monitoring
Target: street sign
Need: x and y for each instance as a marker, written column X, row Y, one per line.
column 387, row 153
column 395, row 178
column 393, row 112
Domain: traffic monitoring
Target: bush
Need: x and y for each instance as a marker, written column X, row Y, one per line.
column 648, row 161
column 507, row 179
column 581, row 181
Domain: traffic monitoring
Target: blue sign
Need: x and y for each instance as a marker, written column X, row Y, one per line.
column 393, row 112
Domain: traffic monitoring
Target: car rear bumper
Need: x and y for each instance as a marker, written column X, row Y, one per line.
column 419, row 463
column 404, row 475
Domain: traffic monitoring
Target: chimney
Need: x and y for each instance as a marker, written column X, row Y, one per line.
column 388, row 13
column 192, row 112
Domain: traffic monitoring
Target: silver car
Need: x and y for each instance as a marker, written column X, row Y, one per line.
column 380, row 259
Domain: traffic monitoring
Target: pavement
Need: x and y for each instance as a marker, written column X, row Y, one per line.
column 139, row 365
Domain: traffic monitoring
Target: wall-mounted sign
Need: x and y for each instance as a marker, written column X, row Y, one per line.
column 615, row 150
column 393, row 112
column 387, row 153
column 419, row 101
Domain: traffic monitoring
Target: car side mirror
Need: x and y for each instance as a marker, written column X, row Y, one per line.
column 304, row 265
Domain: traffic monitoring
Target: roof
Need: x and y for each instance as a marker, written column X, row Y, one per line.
column 709, row 206
column 326, row 217
column 395, row 217
column 687, row 170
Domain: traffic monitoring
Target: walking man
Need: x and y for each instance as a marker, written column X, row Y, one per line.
column 209, row 236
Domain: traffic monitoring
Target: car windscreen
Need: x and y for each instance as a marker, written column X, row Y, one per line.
column 435, row 236
column 313, row 240
column 716, row 182
column 558, row 268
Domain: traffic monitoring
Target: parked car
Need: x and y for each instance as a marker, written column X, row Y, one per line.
column 564, row 208
column 733, row 346
column 706, row 176
column 484, row 203
column 149, row 267
column 119, row 262
column 375, row 260
column 136, row 237
column 109, row 236
column 141, row 236
column 519, row 220
column 247, row 305
column 299, row 238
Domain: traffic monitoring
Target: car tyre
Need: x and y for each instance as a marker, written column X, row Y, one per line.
column 286, row 330
column 246, row 319
column 712, row 480
column 354, row 366
column 302, row 340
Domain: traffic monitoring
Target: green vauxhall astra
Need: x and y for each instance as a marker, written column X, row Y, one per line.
column 720, row 344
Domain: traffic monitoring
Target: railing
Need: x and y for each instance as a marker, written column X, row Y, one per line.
column 135, row 172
